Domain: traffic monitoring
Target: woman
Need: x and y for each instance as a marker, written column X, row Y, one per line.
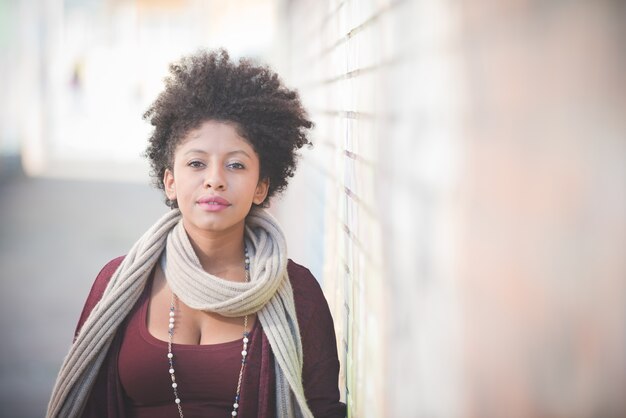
column 205, row 316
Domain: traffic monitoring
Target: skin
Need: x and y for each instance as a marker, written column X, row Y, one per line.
column 211, row 160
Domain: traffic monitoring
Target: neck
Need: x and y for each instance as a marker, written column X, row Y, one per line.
column 220, row 254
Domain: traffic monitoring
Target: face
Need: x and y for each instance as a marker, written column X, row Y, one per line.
column 215, row 179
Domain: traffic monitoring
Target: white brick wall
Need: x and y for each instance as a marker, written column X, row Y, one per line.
column 381, row 197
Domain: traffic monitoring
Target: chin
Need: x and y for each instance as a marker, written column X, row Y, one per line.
column 211, row 225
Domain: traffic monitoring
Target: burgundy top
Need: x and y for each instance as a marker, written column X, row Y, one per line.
column 258, row 392
column 207, row 375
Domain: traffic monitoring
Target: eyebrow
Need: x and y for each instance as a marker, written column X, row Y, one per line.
column 199, row 151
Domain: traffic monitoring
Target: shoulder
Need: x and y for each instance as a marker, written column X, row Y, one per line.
column 307, row 292
column 304, row 284
column 97, row 289
column 102, row 279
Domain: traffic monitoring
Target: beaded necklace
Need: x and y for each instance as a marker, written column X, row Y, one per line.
column 170, row 354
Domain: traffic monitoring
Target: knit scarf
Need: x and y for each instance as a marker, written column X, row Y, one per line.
column 268, row 293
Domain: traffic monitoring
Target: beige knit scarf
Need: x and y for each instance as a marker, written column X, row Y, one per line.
column 268, row 294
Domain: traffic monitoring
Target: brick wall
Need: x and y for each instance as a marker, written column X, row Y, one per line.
column 465, row 201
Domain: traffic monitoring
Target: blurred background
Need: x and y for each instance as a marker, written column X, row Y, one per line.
column 465, row 201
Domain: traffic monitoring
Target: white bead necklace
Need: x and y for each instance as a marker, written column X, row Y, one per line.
column 170, row 355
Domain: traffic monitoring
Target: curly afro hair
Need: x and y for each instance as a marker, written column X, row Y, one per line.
column 210, row 86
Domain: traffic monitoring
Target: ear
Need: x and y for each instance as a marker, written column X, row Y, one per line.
column 170, row 185
column 261, row 190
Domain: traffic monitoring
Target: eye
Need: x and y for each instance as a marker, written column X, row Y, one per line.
column 195, row 164
column 236, row 166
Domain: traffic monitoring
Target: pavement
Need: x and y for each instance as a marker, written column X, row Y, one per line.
column 55, row 235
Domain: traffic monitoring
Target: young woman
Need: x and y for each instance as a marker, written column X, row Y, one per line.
column 206, row 316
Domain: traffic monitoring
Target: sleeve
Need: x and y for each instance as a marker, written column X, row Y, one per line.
column 320, row 372
column 98, row 402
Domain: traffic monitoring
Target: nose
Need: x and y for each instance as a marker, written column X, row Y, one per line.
column 215, row 178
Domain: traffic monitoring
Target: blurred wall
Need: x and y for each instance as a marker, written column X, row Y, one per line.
column 79, row 74
column 465, row 202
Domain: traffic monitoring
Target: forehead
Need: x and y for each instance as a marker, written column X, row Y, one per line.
column 214, row 136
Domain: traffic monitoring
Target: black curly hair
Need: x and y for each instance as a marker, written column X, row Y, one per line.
column 208, row 85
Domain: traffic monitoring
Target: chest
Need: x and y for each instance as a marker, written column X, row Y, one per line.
column 207, row 375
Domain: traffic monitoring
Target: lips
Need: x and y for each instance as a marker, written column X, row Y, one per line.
column 213, row 203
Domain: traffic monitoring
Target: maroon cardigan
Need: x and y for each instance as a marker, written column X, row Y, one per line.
column 320, row 371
